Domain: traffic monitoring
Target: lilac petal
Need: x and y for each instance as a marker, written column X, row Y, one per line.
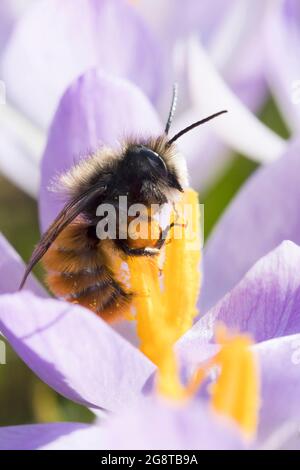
column 73, row 350
column 10, row 12
column 279, row 361
column 17, row 164
column 128, row 330
column 282, row 66
column 207, row 156
column 162, row 425
column 6, row 23
column 266, row 303
column 253, row 137
column 225, row 28
column 238, row 59
column 173, row 20
column 12, row 269
column 232, row 47
column 96, row 110
column 48, row 52
column 263, row 214
column 54, row 436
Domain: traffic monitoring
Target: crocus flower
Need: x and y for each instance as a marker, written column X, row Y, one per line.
column 100, row 368
column 41, row 339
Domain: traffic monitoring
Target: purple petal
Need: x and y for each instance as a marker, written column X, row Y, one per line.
column 173, row 20
column 282, row 34
column 10, row 11
column 12, row 270
column 127, row 329
column 73, row 350
column 279, row 361
column 95, row 110
column 58, row 41
column 159, row 425
column 238, row 60
column 253, row 138
column 17, row 161
column 54, row 436
column 266, row 303
column 206, row 154
column 263, row 214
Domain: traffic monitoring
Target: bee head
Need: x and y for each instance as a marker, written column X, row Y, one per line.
column 157, row 160
column 148, row 162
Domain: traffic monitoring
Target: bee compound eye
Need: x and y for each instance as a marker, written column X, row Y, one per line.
column 151, row 159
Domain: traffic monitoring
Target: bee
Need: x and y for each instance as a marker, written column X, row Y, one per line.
column 147, row 171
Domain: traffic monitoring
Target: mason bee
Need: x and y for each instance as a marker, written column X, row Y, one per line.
column 77, row 260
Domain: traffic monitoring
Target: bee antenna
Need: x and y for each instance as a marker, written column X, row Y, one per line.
column 172, row 109
column 195, row 124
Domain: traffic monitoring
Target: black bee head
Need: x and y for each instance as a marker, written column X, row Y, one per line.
column 144, row 164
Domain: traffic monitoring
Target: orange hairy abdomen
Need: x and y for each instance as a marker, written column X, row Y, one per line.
column 77, row 269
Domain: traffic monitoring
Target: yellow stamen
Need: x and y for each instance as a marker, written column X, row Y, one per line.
column 165, row 290
column 236, row 392
column 165, row 295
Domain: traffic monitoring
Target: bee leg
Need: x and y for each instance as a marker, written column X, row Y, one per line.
column 164, row 233
column 147, row 251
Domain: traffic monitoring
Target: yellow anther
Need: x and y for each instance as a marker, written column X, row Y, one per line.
column 236, row 391
column 165, row 291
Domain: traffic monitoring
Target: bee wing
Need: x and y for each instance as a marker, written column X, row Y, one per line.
column 64, row 218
